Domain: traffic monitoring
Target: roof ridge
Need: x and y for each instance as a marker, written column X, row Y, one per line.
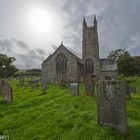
column 61, row 45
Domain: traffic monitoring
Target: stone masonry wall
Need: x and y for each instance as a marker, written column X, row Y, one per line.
column 49, row 67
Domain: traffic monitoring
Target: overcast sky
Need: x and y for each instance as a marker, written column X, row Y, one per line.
column 32, row 29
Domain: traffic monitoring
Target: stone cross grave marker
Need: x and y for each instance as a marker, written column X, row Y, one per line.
column 111, row 104
column 74, row 89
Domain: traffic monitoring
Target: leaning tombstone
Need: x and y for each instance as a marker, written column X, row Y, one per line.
column 74, row 89
column 111, row 104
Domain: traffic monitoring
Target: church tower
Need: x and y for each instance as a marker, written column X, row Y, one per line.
column 90, row 40
column 90, row 48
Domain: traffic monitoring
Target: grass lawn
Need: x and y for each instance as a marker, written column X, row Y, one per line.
column 59, row 116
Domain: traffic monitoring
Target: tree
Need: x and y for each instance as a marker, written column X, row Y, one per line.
column 117, row 53
column 137, row 61
column 34, row 71
column 127, row 65
column 7, row 68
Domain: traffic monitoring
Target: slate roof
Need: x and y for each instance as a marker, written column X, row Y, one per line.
column 62, row 46
column 108, row 64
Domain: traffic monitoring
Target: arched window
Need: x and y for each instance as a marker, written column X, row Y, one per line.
column 61, row 63
column 89, row 66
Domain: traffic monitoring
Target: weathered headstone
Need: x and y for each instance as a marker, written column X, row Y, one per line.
column 20, row 81
column 63, row 79
column 90, row 85
column 34, row 83
column 62, row 83
column 44, row 85
column 132, row 89
column 111, row 104
column 74, row 89
column 129, row 91
column 6, row 91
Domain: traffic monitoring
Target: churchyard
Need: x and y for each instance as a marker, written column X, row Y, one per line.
column 58, row 115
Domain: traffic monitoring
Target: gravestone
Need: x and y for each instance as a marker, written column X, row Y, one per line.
column 63, row 79
column 33, row 83
column 62, row 83
column 20, row 81
column 6, row 91
column 111, row 104
column 129, row 90
column 44, row 85
column 74, row 89
column 90, row 85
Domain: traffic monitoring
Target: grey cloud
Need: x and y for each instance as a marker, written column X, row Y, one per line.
column 28, row 62
column 5, row 45
column 21, row 44
column 40, row 51
column 32, row 59
column 54, row 47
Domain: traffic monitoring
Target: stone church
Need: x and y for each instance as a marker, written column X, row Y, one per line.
column 63, row 65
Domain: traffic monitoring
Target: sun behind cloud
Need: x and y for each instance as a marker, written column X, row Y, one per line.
column 41, row 20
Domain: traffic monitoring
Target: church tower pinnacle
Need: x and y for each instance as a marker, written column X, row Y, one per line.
column 95, row 21
column 84, row 24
